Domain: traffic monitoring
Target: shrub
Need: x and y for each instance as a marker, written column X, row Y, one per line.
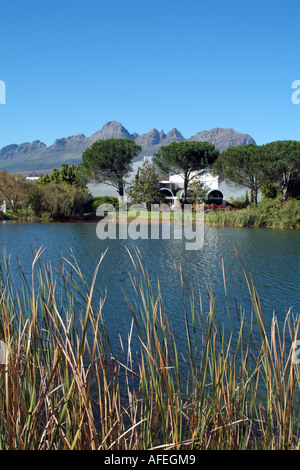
column 98, row 200
column 58, row 200
column 240, row 202
column 269, row 191
column 213, row 207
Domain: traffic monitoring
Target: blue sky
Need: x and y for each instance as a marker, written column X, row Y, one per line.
column 71, row 66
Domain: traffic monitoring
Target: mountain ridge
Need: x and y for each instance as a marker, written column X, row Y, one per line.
column 37, row 157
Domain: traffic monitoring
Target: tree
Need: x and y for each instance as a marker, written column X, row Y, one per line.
column 145, row 186
column 58, row 200
column 109, row 161
column 188, row 159
column 14, row 188
column 197, row 192
column 67, row 174
column 245, row 165
column 285, row 162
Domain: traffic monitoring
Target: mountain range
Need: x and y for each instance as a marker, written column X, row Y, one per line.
column 36, row 157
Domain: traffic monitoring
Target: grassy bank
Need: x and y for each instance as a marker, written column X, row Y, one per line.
column 63, row 387
column 267, row 213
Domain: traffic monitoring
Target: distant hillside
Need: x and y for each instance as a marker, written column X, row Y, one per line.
column 37, row 157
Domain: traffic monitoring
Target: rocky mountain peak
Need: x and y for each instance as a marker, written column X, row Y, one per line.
column 223, row 138
column 151, row 138
column 162, row 135
column 19, row 151
column 174, row 135
column 111, row 130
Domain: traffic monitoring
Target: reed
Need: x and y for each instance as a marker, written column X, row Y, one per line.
column 268, row 213
column 62, row 386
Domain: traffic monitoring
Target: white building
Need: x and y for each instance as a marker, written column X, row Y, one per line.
column 219, row 190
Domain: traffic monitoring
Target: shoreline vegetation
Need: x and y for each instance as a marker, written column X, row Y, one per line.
column 271, row 170
column 269, row 213
column 62, row 386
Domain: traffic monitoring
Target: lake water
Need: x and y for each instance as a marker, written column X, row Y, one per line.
column 270, row 256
